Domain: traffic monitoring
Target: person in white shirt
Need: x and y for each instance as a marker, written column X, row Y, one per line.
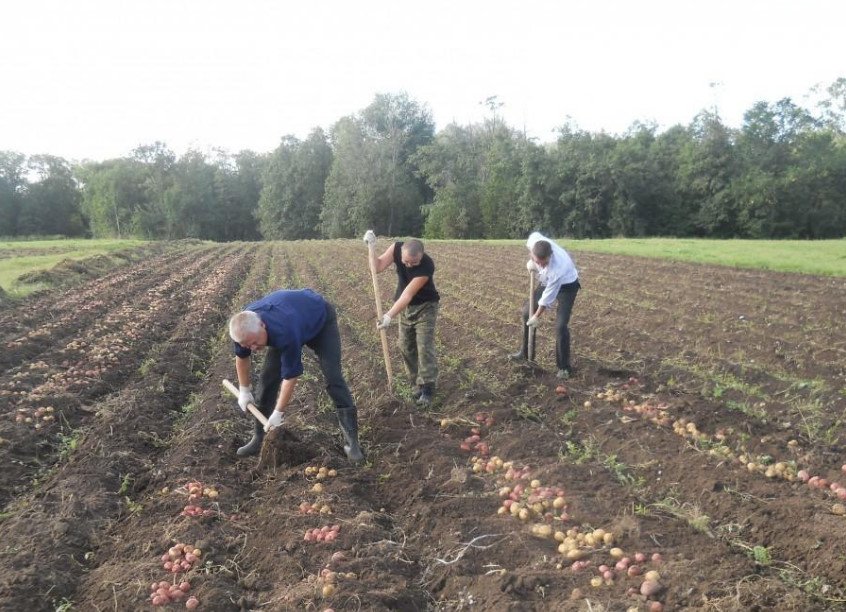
column 558, row 280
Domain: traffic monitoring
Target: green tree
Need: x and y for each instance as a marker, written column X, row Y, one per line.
column 112, row 192
column 499, row 178
column 643, row 172
column 238, row 185
column 583, row 166
column 190, row 204
column 12, row 187
column 706, row 169
column 450, row 166
column 537, row 190
column 373, row 182
column 151, row 219
column 51, row 204
column 294, row 187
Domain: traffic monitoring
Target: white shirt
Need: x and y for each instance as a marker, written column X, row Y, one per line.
column 560, row 270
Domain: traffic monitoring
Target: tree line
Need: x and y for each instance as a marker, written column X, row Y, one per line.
column 782, row 174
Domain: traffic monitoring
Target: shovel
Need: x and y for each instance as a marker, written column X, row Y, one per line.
column 383, row 333
column 273, row 451
column 251, row 407
column 530, row 349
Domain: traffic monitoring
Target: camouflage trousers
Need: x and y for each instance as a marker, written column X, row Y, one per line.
column 417, row 342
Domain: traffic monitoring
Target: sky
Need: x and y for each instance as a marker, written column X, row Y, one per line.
column 93, row 79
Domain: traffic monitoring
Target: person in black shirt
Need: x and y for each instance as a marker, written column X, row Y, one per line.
column 416, row 303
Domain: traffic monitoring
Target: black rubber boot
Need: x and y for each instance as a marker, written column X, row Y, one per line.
column 348, row 420
column 254, row 445
column 426, row 395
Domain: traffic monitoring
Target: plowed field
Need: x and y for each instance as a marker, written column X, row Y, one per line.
column 702, row 438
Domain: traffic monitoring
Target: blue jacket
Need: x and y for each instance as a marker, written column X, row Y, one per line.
column 292, row 318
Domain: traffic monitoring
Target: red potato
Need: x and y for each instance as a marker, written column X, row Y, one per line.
column 650, row 588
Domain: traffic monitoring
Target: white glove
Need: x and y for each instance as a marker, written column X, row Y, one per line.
column 245, row 396
column 274, row 421
column 385, row 322
column 370, row 237
column 533, row 321
column 530, row 266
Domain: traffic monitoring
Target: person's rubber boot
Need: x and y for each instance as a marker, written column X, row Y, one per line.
column 417, row 392
column 348, row 420
column 426, row 396
column 254, row 445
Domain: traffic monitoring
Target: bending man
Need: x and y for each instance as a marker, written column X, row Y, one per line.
column 283, row 322
column 558, row 280
column 416, row 303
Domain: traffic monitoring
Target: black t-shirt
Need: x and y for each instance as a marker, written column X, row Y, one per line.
column 426, row 268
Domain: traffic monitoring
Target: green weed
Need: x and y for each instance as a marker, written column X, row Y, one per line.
column 578, row 453
column 689, row 512
column 125, row 483
column 524, row 411
column 67, row 444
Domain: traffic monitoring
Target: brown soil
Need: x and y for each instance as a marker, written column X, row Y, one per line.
column 753, row 362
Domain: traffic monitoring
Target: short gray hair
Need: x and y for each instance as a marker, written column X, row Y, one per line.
column 243, row 324
column 413, row 247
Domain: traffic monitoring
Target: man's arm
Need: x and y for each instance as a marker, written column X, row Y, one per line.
column 549, row 294
column 242, row 367
column 405, row 298
column 384, row 260
column 286, row 392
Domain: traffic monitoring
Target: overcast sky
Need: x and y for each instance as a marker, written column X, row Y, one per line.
column 95, row 78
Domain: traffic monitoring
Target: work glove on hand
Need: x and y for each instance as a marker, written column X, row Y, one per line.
column 369, row 237
column 385, row 322
column 533, row 321
column 274, row 421
column 530, row 266
column 245, row 396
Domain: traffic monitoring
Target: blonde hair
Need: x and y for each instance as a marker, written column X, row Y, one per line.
column 243, row 324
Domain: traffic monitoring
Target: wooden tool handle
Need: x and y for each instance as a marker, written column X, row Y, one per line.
column 530, row 349
column 251, row 406
column 372, row 257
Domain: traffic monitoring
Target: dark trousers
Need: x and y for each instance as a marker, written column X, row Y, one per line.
column 566, row 298
column 327, row 346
